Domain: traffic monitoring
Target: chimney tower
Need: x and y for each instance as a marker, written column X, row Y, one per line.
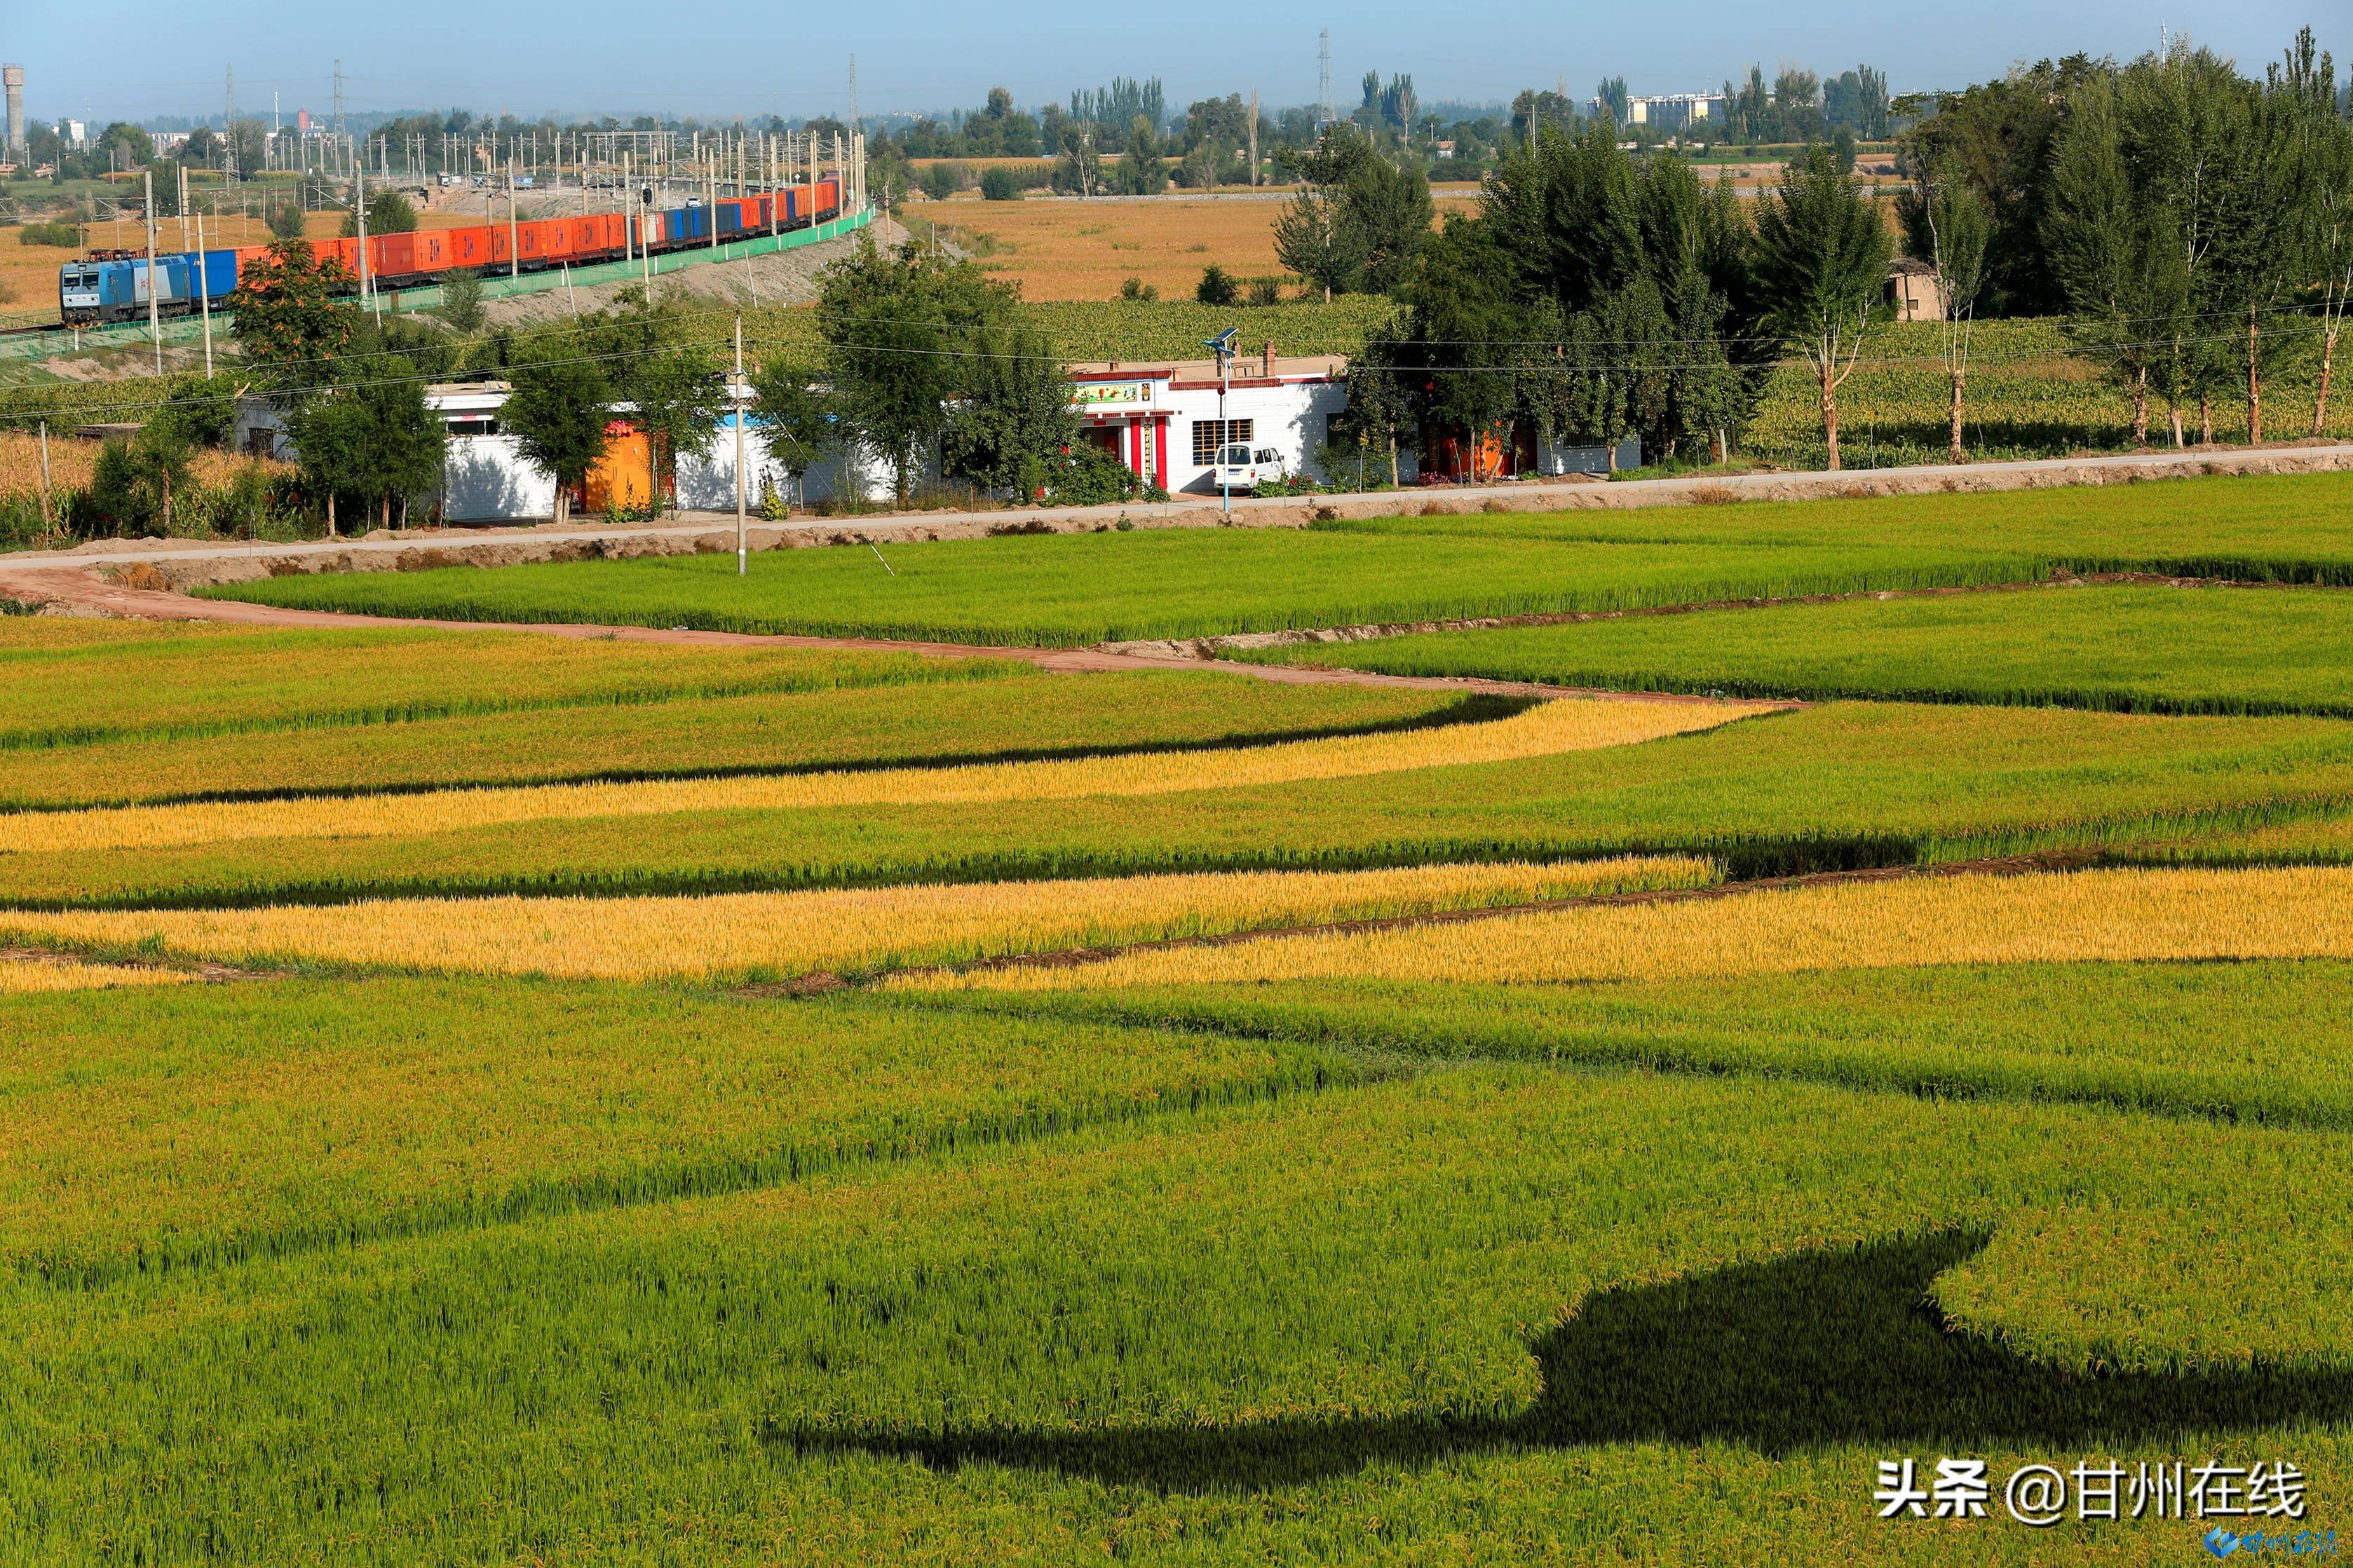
column 13, row 79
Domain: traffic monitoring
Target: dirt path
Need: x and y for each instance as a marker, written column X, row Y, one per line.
column 85, row 593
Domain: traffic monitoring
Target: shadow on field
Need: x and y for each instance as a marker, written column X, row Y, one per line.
column 1839, row 1345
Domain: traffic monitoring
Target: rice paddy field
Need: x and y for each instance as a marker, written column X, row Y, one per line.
column 1880, row 996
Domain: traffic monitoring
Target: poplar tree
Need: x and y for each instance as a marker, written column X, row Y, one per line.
column 1821, row 256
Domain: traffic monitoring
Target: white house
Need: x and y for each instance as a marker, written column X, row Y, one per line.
column 1165, row 421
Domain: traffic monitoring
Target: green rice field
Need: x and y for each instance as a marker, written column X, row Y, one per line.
column 1080, row 1252
column 2125, row 649
column 1076, row 589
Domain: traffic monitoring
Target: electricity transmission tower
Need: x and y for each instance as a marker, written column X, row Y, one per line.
column 1323, row 112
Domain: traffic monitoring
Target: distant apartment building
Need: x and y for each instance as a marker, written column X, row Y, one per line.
column 1669, row 112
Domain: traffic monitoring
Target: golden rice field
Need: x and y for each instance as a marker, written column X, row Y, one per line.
column 22, row 977
column 746, row 935
column 1546, row 729
column 2110, row 917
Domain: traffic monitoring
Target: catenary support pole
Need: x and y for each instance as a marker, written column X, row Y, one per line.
column 205, row 293
column 743, row 557
column 155, row 316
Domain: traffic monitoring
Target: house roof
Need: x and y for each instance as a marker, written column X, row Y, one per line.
column 1247, row 369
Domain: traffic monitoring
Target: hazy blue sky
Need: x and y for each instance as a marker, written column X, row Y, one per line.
column 727, row 57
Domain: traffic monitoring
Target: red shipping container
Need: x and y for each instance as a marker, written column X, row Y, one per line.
column 469, row 246
column 393, row 255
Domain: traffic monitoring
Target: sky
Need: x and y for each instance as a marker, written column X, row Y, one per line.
column 717, row 58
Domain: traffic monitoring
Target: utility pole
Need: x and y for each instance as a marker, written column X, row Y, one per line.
column 184, row 203
column 228, row 145
column 742, row 560
column 155, row 316
column 359, row 222
column 44, row 476
column 515, row 230
column 1253, row 144
column 205, row 293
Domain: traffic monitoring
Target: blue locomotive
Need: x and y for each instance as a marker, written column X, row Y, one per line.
column 116, row 288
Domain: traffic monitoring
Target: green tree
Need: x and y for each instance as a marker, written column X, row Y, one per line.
column 373, row 440
column 1998, row 137
column 794, row 415
column 126, row 142
column 2118, row 256
column 1821, row 260
column 896, row 326
column 1948, row 225
column 1000, row 184
column 558, row 414
column 1141, row 171
column 133, row 482
column 286, row 219
column 1217, row 286
column 1313, row 239
column 2327, row 241
column 291, row 306
column 461, row 298
column 1388, row 209
column 1014, row 414
column 1079, row 170
column 388, row 212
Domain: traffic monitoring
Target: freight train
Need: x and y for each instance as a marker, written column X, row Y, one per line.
column 115, row 287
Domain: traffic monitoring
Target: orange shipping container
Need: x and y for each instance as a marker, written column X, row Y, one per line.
column 469, row 246
column 624, row 475
column 393, row 254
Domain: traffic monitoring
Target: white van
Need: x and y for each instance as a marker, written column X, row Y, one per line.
column 1241, row 468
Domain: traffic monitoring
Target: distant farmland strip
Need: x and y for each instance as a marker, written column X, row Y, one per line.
column 926, row 724
column 2122, row 648
column 1839, row 786
column 1545, row 729
column 2103, row 916
column 185, row 681
column 775, row 935
column 1073, row 590
column 2259, row 1041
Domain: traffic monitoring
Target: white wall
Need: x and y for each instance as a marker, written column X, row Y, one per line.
column 1292, row 419
column 706, row 479
column 485, row 479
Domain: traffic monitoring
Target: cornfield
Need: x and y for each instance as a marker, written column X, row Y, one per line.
column 1548, row 729
column 73, row 464
column 765, row 934
column 2116, row 916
